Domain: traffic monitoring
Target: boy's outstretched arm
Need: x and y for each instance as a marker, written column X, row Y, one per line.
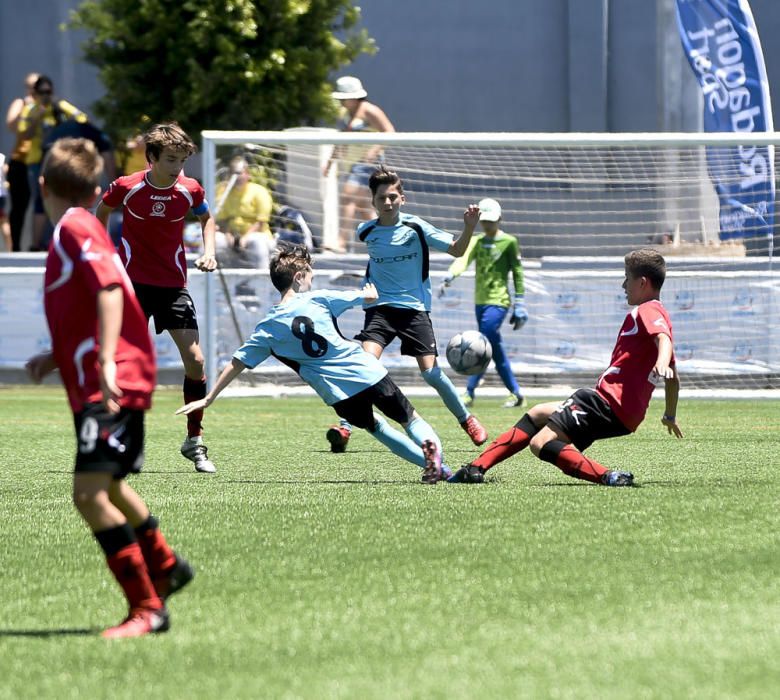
column 228, row 375
column 671, row 383
column 461, row 243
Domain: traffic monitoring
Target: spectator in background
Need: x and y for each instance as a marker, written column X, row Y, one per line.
column 243, row 214
column 359, row 160
column 18, row 187
column 132, row 157
column 5, row 229
column 36, row 120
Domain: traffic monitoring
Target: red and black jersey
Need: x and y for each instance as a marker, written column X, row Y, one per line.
column 628, row 383
column 152, row 246
column 82, row 261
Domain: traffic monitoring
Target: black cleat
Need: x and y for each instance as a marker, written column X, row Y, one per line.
column 616, row 478
column 467, row 474
column 175, row 579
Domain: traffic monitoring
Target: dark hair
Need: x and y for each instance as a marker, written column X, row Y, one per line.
column 383, row 176
column 72, row 169
column 289, row 259
column 169, row 135
column 649, row 263
column 41, row 81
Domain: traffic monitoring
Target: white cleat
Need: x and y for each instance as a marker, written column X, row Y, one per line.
column 194, row 450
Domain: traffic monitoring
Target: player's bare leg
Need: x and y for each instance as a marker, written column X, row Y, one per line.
column 194, row 388
column 169, row 571
column 351, row 196
column 433, row 376
column 147, row 613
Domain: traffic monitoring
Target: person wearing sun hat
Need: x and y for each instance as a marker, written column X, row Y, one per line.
column 357, row 160
column 497, row 254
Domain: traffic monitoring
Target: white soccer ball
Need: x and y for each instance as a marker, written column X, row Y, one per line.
column 469, row 352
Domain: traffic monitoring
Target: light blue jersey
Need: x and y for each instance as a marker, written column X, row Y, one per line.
column 302, row 334
column 398, row 260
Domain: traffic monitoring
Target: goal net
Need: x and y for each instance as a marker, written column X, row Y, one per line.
column 576, row 202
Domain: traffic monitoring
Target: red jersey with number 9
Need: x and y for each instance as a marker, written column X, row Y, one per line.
column 82, row 261
column 628, row 383
column 152, row 246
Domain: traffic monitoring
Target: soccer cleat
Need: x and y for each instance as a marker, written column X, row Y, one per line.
column 195, row 451
column 474, row 430
column 175, row 579
column 514, row 401
column 138, row 623
column 338, row 437
column 468, row 474
column 616, row 478
column 433, row 468
column 468, row 399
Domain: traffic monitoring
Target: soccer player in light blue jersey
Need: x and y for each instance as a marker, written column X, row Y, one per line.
column 300, row 332
column 398, row 261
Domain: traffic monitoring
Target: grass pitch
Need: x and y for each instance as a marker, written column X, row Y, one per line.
column 329, row 576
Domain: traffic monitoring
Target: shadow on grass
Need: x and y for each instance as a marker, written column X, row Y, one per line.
column 338, row 482
column 44, row 634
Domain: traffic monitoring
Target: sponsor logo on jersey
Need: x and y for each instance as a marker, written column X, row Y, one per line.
column 395, row 258
column 161, row 198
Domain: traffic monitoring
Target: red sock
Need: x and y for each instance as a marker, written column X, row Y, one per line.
column 194, row 389
column 157, row 553
column 572, row 462
column 129, row 569
column 507, row 444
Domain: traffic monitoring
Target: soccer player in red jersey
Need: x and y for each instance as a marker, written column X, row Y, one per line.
column 643, row 356
column 101, row 346
column 155, row 203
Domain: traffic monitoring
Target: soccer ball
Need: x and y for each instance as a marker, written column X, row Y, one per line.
column 469, row 352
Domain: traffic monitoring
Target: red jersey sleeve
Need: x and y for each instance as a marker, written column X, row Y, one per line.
column 96, row 259
column 654, row 319
column 115, row 195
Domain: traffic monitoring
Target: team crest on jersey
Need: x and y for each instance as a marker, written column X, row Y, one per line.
column 158, row 209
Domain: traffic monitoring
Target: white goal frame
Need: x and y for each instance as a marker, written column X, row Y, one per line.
column 211, row 139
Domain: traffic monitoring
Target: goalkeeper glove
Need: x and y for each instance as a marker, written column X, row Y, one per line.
column 443, row 286
column 519, row 313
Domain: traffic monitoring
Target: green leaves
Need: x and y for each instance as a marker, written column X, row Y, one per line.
column 219, row 64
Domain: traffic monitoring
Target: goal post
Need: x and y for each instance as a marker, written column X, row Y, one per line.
column 577, row 203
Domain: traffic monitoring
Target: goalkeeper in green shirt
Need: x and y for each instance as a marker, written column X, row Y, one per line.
column 497, row 254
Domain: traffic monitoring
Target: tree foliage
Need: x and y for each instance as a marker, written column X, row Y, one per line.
column 218, row 64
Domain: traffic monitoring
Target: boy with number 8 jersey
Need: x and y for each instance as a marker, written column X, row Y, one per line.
column 300, row 331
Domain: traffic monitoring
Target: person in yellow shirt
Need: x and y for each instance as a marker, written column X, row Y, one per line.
column 243, row 215
column 35, row 121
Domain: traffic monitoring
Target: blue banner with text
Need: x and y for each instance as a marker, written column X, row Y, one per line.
column 722, row 45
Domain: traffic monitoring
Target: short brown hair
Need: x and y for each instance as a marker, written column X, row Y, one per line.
column 649, row 263
column 72, row 170
column 169, row 135
column 383, row 176
column 289, row 259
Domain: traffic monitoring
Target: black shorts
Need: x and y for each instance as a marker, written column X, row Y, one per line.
column 385, row 395
column 414, row 328
column 112, row 443
column 585, row 417
column 171, row 307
